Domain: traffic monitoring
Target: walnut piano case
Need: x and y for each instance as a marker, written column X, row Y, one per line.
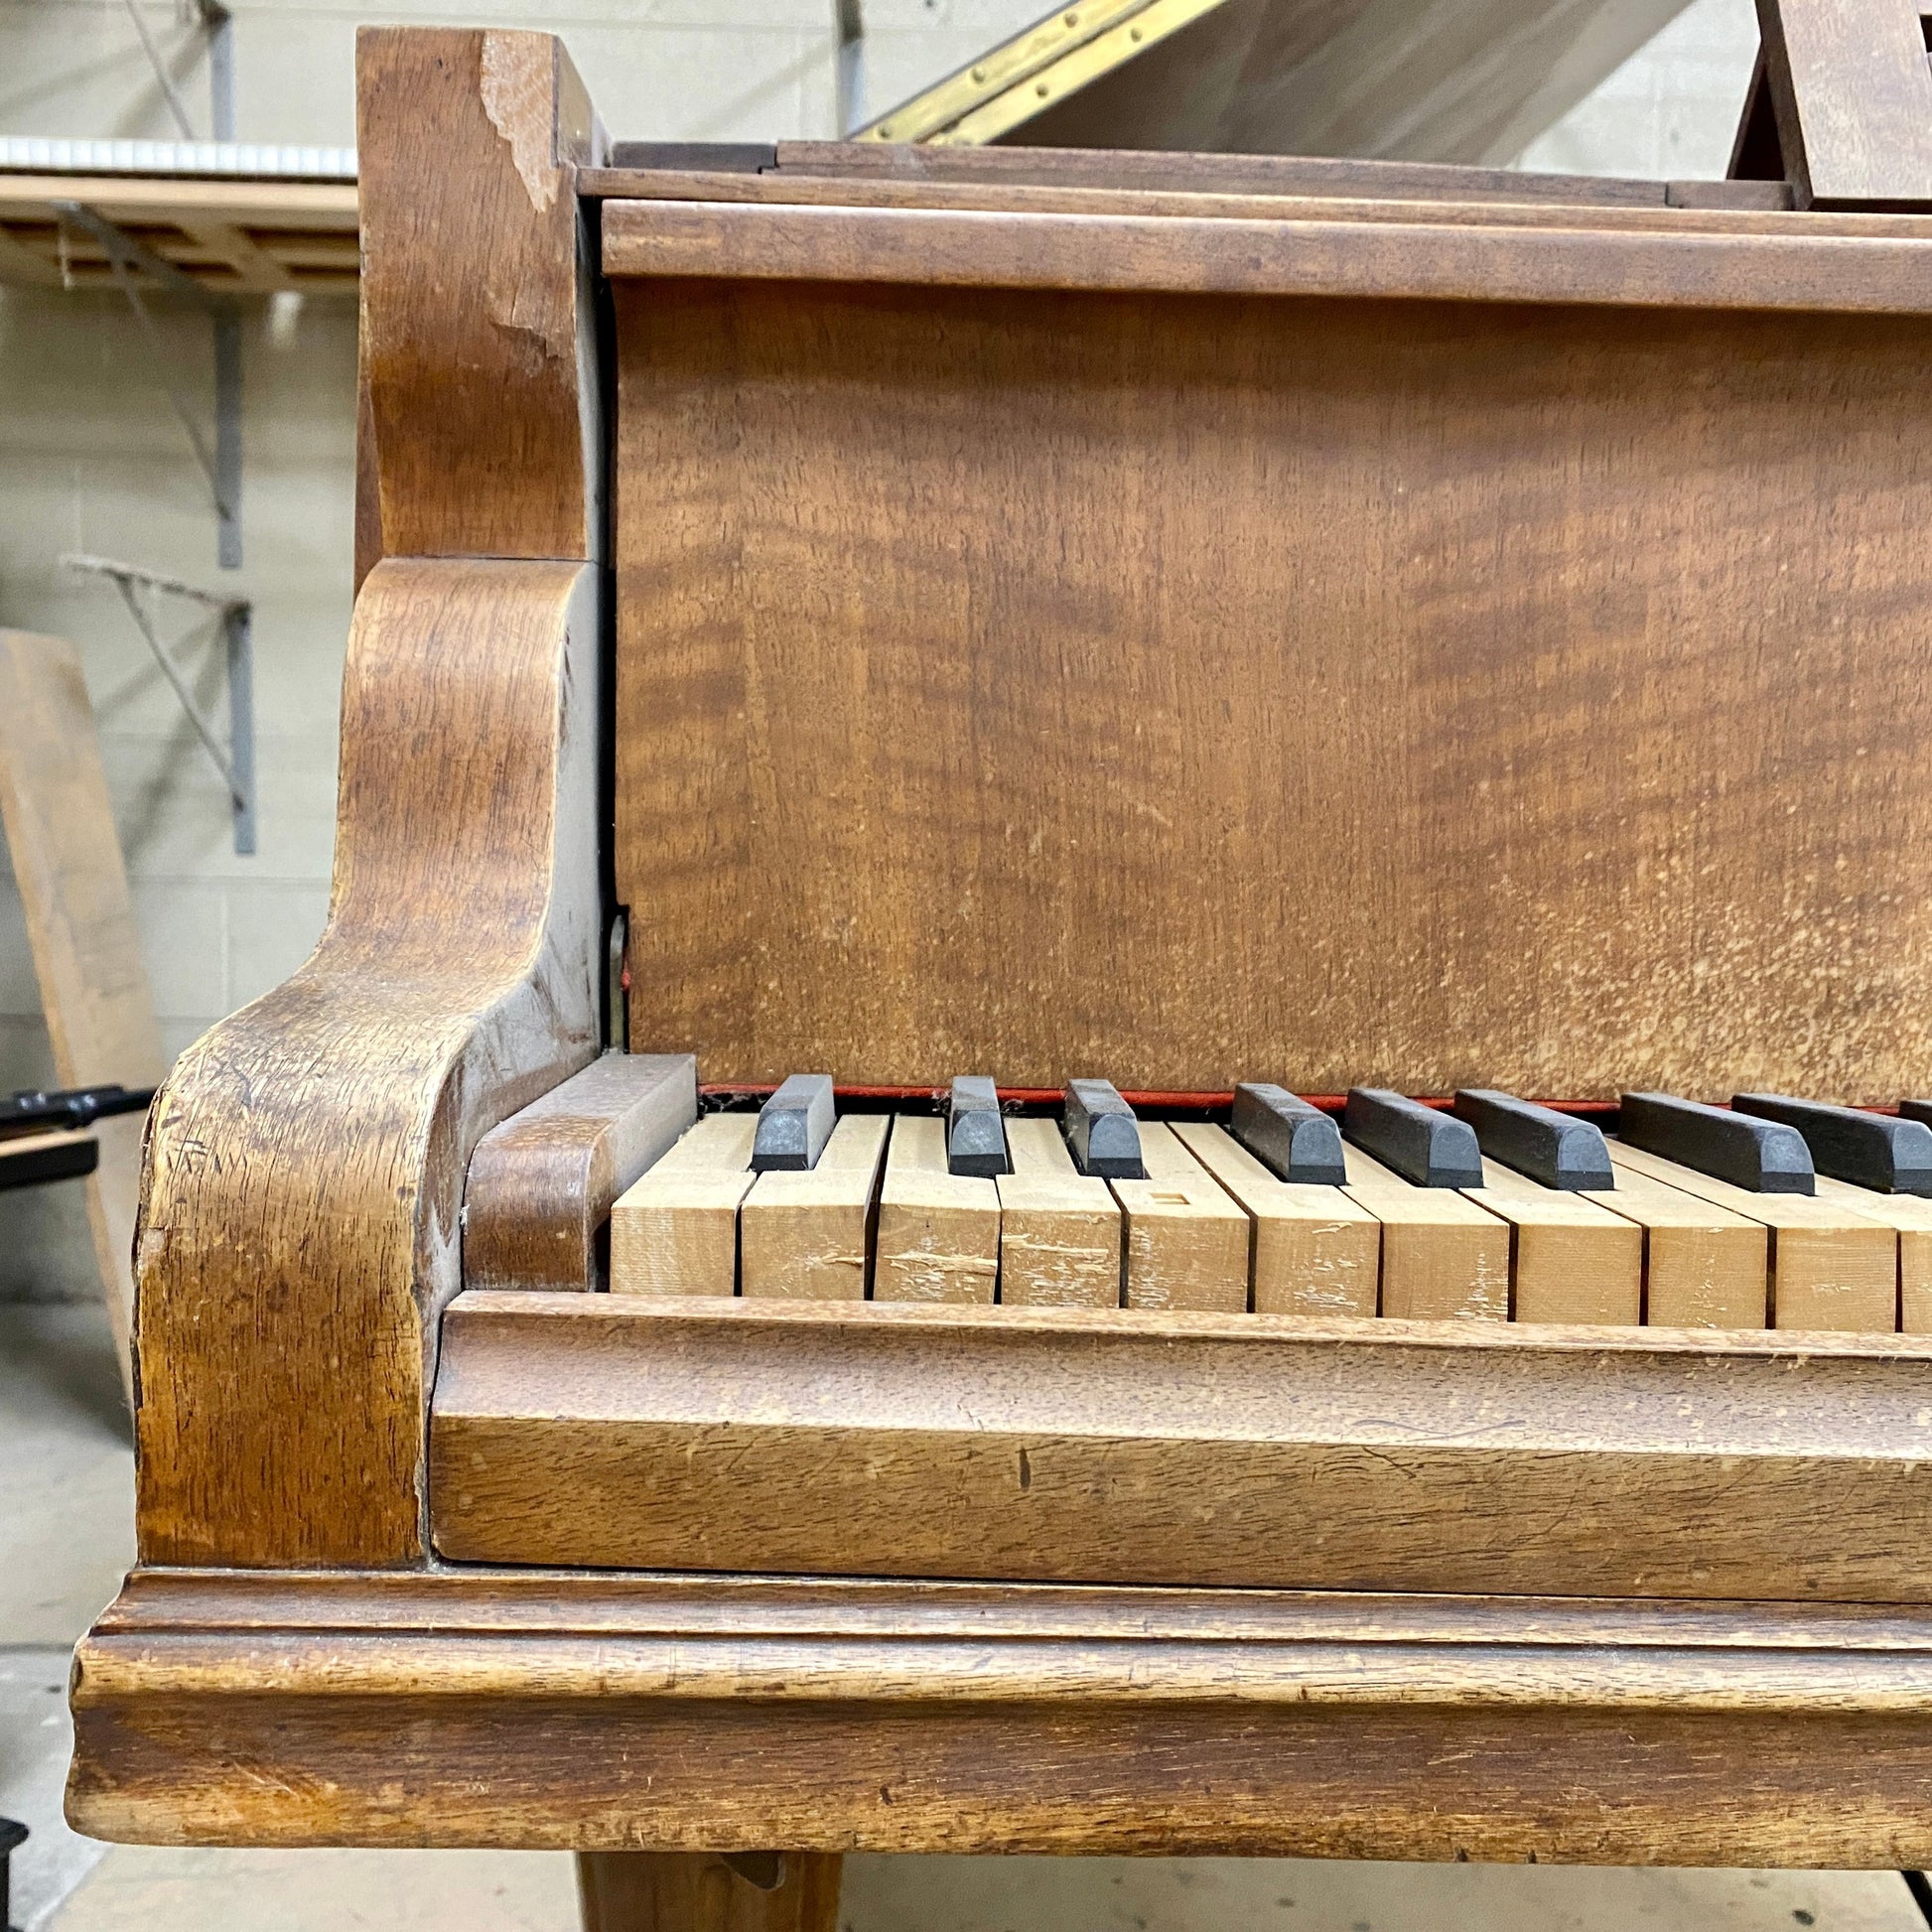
column 1240, row 627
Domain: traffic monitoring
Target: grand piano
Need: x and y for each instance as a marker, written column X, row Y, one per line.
column 887, row 680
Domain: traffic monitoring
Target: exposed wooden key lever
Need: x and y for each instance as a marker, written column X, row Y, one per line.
column 1101, row 1132
column 794, row 1125
column 976, row 1135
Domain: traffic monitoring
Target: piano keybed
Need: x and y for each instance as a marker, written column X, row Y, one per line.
column 1206, row 1225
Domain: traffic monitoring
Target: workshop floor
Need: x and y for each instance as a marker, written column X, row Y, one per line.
column 66, row 1534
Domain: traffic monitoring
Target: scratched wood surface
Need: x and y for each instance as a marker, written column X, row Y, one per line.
column 1423, row 645
column 711, row 1714
column 1117, row 1446
column 306, row 1159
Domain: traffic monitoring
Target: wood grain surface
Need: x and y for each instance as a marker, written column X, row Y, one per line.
column 1852, row 93
column 577, row 1713
column 938, row 1233
column 1185, row 1242
column 484, row 418
column 1119, row 1445
column 1705, row 1267
column 1687, row 263
column 674, row 1231
column 300, row 1218
column 1569, row 1258
column 811, row 1234
column 1059, row 1231
column 66, row 855
column 536, row 1203
column 1442, row 644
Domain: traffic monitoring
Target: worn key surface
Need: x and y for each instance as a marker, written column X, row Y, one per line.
column 1186, row 1239
column 1102, row 1133
column 938, row 1234
column 1910, row 1218
column 1570, row 1260
column 1832, row 1267
column 1443, row 1258
column 1316, row 1249
column 674, row 1230
column 1705, row 1267
column 1059, row 1230
column 807, row 1234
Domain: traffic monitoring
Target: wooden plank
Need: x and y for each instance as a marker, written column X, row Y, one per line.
column 1832, row 1267
column 674, row 1231
column 537, row 1200
column 1316, row 1249
column 1910, row 1218
column 1570, row 1260
column 1206, row 172
column 808, row 1236
column 1170, row 1447
column 938, row 1234
column 1059, row 1231
column 288, row 1288
column 1186, row 1242
column 66, row 861
column 1704, row 1266
column 733, row 391
column 1442, row 1257
column 1851, row 91
column 1688, row 267
column 709, row 1711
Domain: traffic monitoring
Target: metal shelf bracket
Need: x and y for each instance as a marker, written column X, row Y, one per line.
column 235, row 761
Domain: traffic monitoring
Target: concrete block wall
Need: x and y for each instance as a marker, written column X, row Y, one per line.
column 92, row 458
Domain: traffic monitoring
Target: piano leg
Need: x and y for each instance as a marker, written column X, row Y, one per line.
column 701, row 1891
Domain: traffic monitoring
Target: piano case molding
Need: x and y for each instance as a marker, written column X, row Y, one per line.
column 553, row 1710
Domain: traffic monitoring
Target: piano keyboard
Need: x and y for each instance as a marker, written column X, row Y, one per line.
column 1769, row 1213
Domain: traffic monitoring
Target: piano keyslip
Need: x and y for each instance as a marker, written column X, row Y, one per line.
column 674, row 1231
column 1830, row 1266
column 1059, row 1231
column 1443, row 1258
column 938, row 1231
column 1316, row 1249
column 1186, row 1240
column 807, row 1235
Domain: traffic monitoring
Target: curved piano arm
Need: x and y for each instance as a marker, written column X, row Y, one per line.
column 303, row 1181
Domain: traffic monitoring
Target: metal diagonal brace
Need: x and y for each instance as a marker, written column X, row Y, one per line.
column 222, row 468
column 236, row 764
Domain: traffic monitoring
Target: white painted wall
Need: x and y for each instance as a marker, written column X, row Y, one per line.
column 92, row 458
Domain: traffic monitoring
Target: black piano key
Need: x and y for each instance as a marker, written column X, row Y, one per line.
column 1559, row 1150
column 976, row 1135
column 1763, row 1156
column 1918, row 1110
column 1850, row 1144
column 1420, row 1144
column 793, row 1126
column 1101, row 1132
column 1298, row 1141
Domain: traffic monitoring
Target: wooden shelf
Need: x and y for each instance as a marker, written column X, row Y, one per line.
column 241, row 237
